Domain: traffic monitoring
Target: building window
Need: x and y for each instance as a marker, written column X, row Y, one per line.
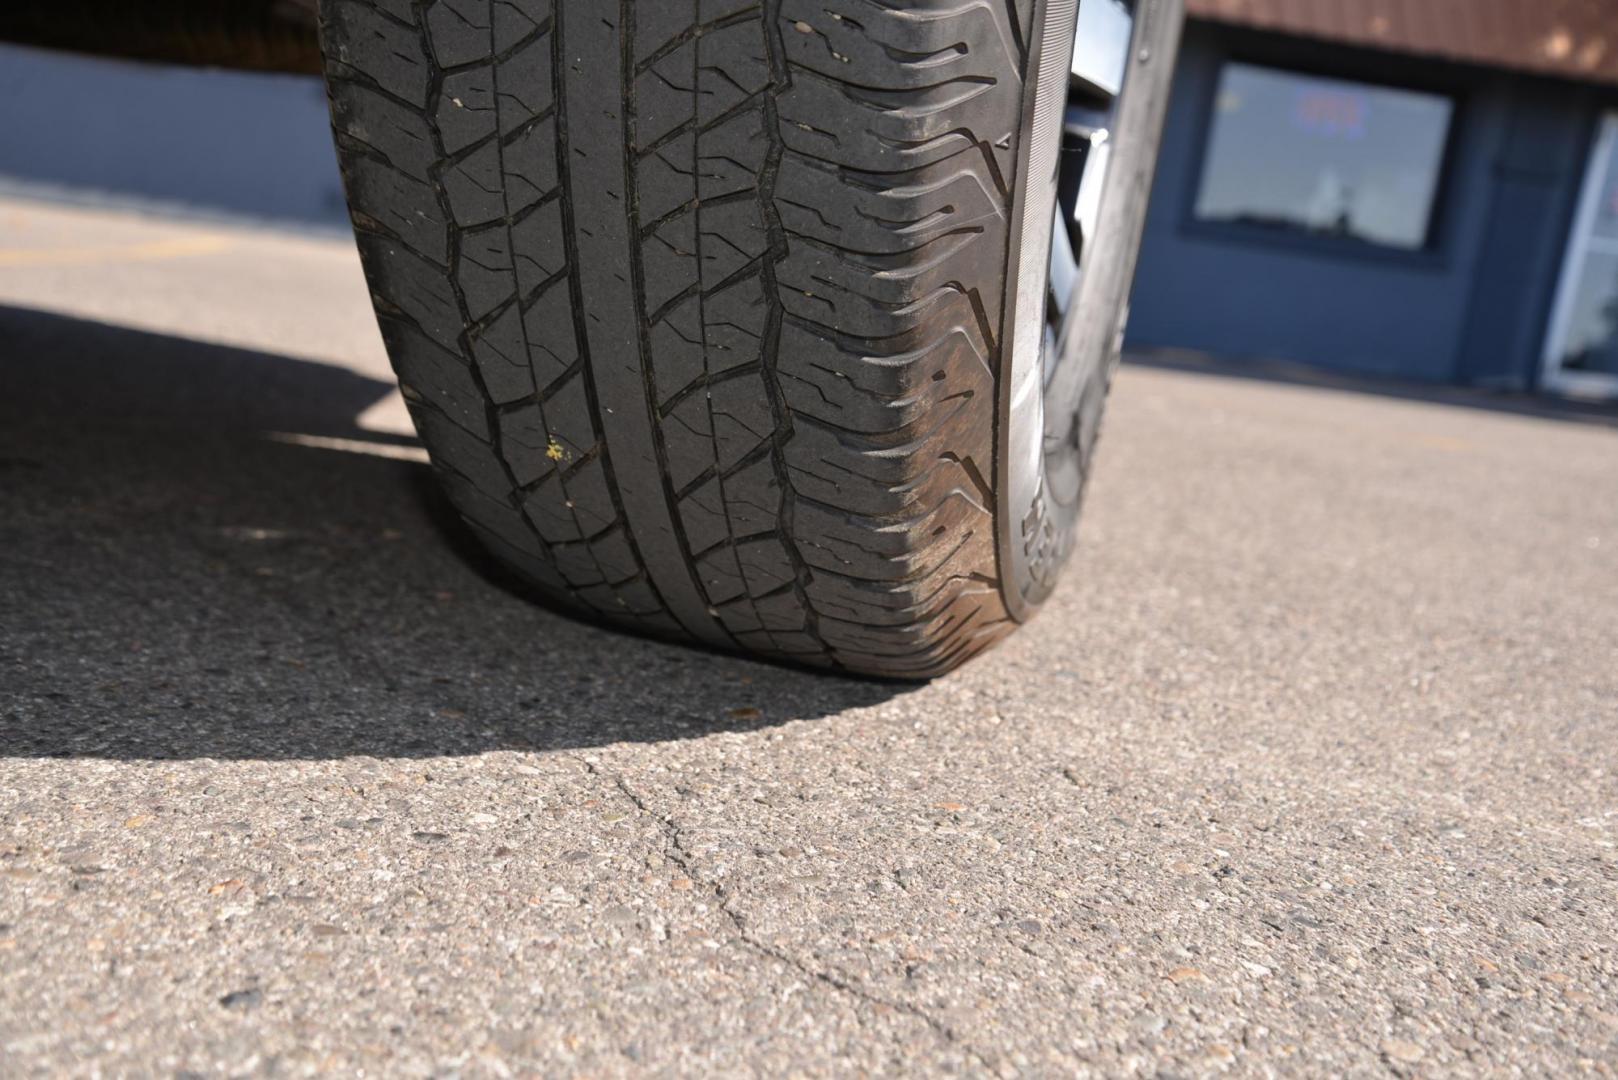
column 1324, row 157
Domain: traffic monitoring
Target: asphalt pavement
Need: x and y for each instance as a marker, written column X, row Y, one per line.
column 1310, row 767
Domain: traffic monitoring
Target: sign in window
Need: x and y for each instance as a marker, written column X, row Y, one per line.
column 1324, row 157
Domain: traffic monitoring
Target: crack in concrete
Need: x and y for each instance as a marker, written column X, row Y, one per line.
column 675, row 851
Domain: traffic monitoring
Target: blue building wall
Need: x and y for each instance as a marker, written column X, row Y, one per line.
column 1472, row 309
column 207, row 141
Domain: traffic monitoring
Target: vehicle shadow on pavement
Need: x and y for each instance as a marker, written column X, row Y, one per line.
column 177, row 583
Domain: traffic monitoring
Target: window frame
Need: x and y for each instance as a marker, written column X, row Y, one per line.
column 1377, row 70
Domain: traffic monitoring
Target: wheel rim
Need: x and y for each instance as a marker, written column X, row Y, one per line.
column 1100, row 59
column 1042, row 457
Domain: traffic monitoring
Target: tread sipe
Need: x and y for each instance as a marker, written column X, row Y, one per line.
column 697, row 303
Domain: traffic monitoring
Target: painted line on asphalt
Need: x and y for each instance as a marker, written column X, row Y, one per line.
column 175, row 248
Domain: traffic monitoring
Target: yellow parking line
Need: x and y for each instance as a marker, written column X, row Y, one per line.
column 176, row 248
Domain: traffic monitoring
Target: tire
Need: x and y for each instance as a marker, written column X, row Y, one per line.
column 703, row 308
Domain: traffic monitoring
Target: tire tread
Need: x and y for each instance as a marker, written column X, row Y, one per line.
column 772, row 427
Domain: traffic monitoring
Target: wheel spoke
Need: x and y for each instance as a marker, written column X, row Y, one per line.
column 1101, row 48
column 1100, row 57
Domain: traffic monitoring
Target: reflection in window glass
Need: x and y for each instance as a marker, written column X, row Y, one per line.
column 1592, row 338
column 1605, row 225
column 1322, row 156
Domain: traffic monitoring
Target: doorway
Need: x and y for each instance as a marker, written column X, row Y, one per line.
column 1581, row 351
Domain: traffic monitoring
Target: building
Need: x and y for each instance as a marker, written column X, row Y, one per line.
column 1425, row 189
